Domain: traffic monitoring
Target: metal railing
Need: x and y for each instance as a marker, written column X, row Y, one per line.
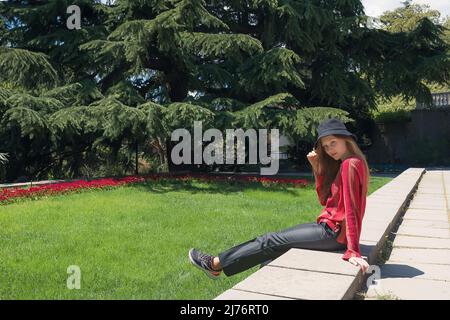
column 440, row 100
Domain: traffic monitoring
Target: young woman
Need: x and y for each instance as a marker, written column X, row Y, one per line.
column 341, row 175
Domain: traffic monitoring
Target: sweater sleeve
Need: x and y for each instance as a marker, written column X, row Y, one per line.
column 351, row 184
column 319, row 181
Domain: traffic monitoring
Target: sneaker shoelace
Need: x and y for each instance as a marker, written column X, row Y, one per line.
column 207, row 259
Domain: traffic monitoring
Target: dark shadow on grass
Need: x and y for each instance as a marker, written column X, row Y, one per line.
column 171, row 185
column 218, row 187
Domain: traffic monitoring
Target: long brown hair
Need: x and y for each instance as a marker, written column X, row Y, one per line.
column 329, row 167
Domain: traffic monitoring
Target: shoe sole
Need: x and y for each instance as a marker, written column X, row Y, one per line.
column 205, row 271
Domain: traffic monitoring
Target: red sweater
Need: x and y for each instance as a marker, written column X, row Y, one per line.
column 345, row 206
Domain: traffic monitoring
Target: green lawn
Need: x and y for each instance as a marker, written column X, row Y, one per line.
column 132, row 242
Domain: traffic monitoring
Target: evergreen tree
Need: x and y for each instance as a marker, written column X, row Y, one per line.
column 138, row 69
column 406, row 19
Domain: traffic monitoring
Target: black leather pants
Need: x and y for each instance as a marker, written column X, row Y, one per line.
column 269, row 246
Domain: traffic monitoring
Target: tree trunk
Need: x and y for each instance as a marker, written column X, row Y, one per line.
column 177, row 83
column 136, row 170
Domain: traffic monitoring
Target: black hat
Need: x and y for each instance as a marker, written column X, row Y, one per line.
column 332, row 126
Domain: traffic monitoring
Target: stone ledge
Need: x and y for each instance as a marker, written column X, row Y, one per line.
column 317, row 275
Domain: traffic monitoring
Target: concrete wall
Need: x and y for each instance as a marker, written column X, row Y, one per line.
column 425, row 140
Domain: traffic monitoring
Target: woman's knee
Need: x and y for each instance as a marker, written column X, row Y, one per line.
column 270, row 241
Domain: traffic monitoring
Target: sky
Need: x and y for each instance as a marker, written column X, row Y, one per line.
column 375, row 8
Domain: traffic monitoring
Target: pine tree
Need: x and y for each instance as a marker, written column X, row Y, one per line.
column 138, row 69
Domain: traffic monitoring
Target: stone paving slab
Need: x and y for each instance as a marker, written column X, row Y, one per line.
column 429, row 215
column 435, row 218
column 397, row 189
column 431, row 182
column 429, row 201
column 386, row 194
column 425, row 212
column 421, row 242
column 381, row 212
column 421, row 196
column 433, row 202
column 377, row 219
column 431, row 179
column 435, row 184
column 372, row 232
column 436, row 256
column 381, row 209
column 426, row 224
column 297, row 284
column 233, row 294
column 394, row 189
column 388, row 211
column 432, row 188
column 427, row 205
column 374, row 225
column 377, row 203
column 384, row 198
column 413, row 289
column 373, row 235
column 380, row 215
column 430, row 191
column 421, row 232
column 320, row 261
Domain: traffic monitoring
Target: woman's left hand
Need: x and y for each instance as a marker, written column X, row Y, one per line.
column 359, row 262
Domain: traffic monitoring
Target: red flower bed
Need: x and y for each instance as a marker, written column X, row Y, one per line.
column 63, row 187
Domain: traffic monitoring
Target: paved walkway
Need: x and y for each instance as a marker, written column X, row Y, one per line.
column 419, row 264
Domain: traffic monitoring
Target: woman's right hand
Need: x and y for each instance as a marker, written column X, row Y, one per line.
column 312, row 158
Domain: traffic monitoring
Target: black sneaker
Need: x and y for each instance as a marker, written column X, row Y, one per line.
column 203, row 262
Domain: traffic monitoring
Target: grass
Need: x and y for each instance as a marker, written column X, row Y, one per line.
column 132, row 242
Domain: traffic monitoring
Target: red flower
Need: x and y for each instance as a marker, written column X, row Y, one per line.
column 62, row 187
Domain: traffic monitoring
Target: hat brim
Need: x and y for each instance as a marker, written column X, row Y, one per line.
column 345, row 133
